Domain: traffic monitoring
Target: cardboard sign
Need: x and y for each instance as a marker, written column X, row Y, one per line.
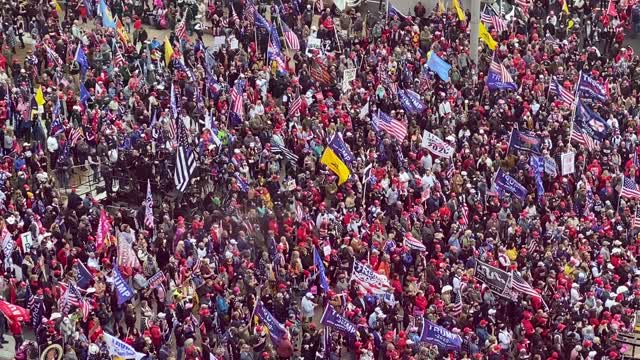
column 348, row 75
column 568, row 163
column 27, row 241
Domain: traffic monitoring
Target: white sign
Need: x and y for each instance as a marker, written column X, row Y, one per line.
column 27, row 241
column 436, row 145
column 348, row 75
column 314, row 43
column 234, row 43
column 568, row 163
column 218, row 42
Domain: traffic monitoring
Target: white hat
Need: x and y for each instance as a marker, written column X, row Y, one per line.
column 309, row 295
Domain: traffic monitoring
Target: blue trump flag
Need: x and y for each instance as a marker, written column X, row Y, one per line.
column 506, row 184
column 123, row 290
column 393, row 11
column 276, row 330
column 411, row 101
column 416, row 100
column 84, row 94
column 84, row 276
column 537, row 165
column 525, row 141
column 591, row 88
column 499, row 78
column 439, row 66
column 340, row 148
column 332, row 318
column 81, row 59
column 441, row 337
column 590, row 123
column 317, row 261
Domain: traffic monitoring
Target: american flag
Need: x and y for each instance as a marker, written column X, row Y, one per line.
column 502, row 71
column 295, row 106
column 172, row 131
column 565, row 95
column 148, row 207
column 234, row 16
column 75, row 135
column 181, row 28
column 465, row 216
column 319, row 5
column 396, row 128
column 53, row 56
column 280, row 149
column 290, row 37
column 451, row 169
column 488, row 17
column 251, row 11
column 583, row 139
column 635, row 220
column 237, row 104
column 524, row 5
column 518, row 284
column 118, row 59
column 72, row 297
column 457, row 307
column 629, row 189
column 532, row 245
column 185, row 158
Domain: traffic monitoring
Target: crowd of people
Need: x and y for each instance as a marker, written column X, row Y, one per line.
column 305, row 180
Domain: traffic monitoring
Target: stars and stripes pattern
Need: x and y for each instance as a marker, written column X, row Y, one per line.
column 118, row 59
column 518, row 284
column 280, row 149
column 53, row 56
column 237, row 105
column 148, row 207
column 457, row 307
column 566, row 96
column 75, row 135
column 489, row 18
column 498, row 68
column 295, row 106
column 393, row 127
column 181, row 29
column 290, row 37
column 630, row 189
column 635, row 220
column 451, row 169
column 532, row 245
column 523, row 5
column 583, row 139
column 185, row 158
column 464, row 219
column 413, row 243
column 72, row 297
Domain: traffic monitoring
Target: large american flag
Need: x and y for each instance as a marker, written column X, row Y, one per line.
column 290, row 37
column 185, row 158
column 584, row 139
column 566, row 96
column 488, row 17
column 630, row 189
column 518, row 284
column 71, row 297
column 148, row 207
column 181, row 28
column 393, row 127
column 237, row 105
column 524, row 5
column 502, row 71
column 450, row 170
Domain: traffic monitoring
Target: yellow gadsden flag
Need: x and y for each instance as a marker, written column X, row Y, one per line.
column 565, row 7
column 486, row 37
column 459, row 11
column 39, row 96
column 336, row 165
column 168, row 51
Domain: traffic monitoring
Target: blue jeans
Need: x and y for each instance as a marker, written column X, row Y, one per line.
column 179, row 352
